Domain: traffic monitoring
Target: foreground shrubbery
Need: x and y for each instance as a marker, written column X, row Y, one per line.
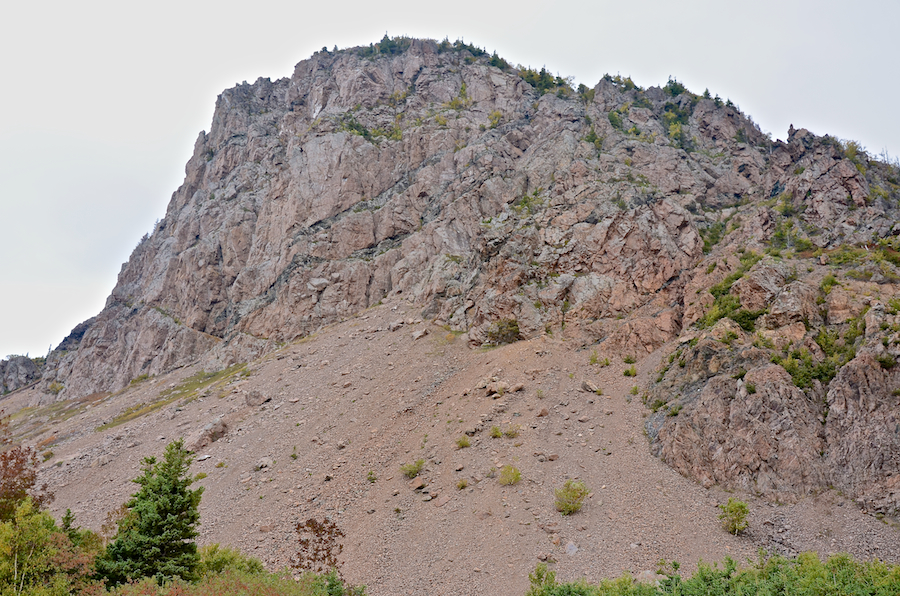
column 152, row 553
column 240, row 583
column 804, row 576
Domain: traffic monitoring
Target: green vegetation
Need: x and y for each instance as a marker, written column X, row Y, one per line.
column 155, row 538
column 463, row 442
column 139, row 379
column 509, row 475
column 240, row 583
column 585, row 93
column 36, row 556
column 570, row 497
column 592, row 138
column 803, row 369
column 543, row 81
column 219, row 559
column 675, row 121
column 630, row 372
column 712, row 235
column 499, row 62
column 622, row 83
column 828, row 282
column 728, row 305
column 629, row 359
column 529, row 205
column 153, row 549
column 412, row 470
column 461, row 46
column 512, row 431
column 674, row 88
column 388, row 46
column 734, row 516
column 504, row 331
column 463, row 483
column 187, row 390
column 806, row 575
column 838, row 351
column 615, row 119
column 496, row 433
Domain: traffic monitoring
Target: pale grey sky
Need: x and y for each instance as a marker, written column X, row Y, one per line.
column 103, row 100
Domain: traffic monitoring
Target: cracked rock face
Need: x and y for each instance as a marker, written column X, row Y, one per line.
column 614, row 214
column 17, row 372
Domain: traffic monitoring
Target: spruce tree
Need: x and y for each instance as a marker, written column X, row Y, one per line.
column 155, row 538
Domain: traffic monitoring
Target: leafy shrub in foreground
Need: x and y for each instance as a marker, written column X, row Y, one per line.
column 237, row 583
column 215, row 558
column 807, row 574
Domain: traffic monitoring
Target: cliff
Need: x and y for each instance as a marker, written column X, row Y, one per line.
column 505, row 204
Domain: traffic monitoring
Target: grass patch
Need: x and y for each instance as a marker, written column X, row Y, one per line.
column 509, row 475
column 570, row 497
column 512, row 431
column 187, row 390
column 412, row 470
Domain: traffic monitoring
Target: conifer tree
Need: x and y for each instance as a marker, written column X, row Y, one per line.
column 155, row 538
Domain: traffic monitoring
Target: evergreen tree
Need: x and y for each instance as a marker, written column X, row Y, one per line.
column 155, row 537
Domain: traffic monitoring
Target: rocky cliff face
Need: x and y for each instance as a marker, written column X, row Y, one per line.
column 17, row 372
column 504, row 202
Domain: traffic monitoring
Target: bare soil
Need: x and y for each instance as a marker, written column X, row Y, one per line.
column 353, row 403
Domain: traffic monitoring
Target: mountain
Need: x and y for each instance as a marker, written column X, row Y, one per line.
column 503, row 205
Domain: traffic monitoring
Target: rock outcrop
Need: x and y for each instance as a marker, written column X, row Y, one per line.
column 17, row 372
column 502, row 199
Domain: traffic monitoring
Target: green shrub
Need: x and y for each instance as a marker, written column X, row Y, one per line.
column 629, row 359
column 496, row 433
column 805, row 575
column 218, row 559
column 463, row 483
column 371, row 477
column 509, row 475
column 630, row 372
column 512, row 431
column 711, row 236
column 37, row 558
column 615, row 120
column 412, row 470
column 241, row 583
column 734, row 516
column 886, row 360
column 803, row 369
column 504, row 331
column 570, row 497
column 463, row 442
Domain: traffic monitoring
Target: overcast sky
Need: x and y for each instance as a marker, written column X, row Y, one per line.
column 101, row 101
